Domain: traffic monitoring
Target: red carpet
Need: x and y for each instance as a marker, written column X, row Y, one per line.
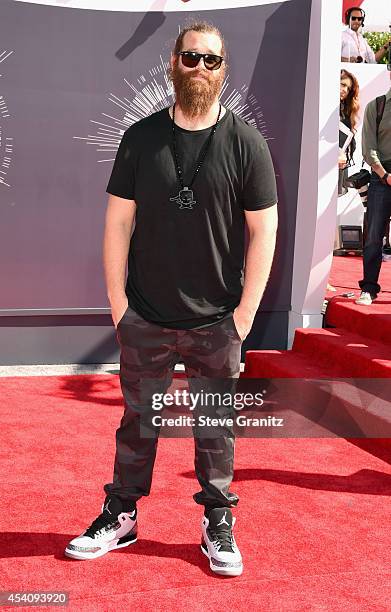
column 313, row 521
column 357, row 343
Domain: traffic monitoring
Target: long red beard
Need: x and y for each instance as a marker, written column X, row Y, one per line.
column 196, row 96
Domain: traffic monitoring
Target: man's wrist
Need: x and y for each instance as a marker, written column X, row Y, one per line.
column 116, row 296
column 247, row 311
column 384, row 178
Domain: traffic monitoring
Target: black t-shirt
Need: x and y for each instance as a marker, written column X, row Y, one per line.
column 185, row 266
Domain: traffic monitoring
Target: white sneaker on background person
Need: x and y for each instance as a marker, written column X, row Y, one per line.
column 365, row 299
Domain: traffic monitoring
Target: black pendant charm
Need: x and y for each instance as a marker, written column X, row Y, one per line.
column 185, row 198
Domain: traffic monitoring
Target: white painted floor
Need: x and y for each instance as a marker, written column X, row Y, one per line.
column 58, row 370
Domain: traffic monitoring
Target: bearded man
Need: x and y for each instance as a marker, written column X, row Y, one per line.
column 186, row 180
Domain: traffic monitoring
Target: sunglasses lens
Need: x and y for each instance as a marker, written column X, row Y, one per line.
column 190, row 60
column 212, row 62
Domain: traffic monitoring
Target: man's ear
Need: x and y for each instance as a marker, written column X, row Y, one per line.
column 172, row 62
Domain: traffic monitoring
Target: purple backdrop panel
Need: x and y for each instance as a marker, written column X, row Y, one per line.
column 72, row 81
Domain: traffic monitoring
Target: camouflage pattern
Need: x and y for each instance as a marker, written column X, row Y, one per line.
column 150, row 351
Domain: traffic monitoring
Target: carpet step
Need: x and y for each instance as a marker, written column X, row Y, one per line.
column 282, row 364
column 346, row 408
column 338, row 350
column 372, row 322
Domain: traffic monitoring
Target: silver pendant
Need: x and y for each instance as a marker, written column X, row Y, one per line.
column 185, row 198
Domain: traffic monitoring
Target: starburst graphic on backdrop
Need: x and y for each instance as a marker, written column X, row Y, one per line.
column 6, row 142
column 150, row 94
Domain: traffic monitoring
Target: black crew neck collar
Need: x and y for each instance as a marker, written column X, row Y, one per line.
column 185, row 131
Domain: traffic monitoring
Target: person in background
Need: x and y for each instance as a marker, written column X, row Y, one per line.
column 348, row 118
column 376, row 150
column 355, row 47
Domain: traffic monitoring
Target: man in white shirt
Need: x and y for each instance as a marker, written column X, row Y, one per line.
column 355, row 47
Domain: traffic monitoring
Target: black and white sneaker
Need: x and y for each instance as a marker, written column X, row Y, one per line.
column 218, row 543
column 111, row 530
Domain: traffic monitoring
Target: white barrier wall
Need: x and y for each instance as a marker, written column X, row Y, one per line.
column 317, row 198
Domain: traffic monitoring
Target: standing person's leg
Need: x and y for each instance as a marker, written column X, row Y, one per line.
column 147, row 357
column 212, row 355
column 148, row 354
column 378, row 211
column 364, row 227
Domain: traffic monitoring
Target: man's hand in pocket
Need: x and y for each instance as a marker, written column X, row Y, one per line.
column 118, row 309
column 243, row 322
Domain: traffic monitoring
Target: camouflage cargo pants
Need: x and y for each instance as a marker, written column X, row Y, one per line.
column 151, row 351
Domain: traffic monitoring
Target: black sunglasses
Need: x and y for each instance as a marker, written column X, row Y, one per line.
column 190, row 59
column 357, row 18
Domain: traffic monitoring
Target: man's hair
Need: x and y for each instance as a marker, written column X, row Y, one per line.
column 203, row 27
column 350, row 11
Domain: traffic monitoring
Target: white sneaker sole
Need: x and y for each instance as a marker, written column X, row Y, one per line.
column 75, row 554
column 223, row 571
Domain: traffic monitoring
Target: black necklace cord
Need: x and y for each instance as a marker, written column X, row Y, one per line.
column 201, row 157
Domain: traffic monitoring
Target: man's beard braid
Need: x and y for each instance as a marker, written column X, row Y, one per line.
column 195, row 97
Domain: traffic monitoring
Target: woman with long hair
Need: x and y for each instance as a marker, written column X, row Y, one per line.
column 348, row 116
